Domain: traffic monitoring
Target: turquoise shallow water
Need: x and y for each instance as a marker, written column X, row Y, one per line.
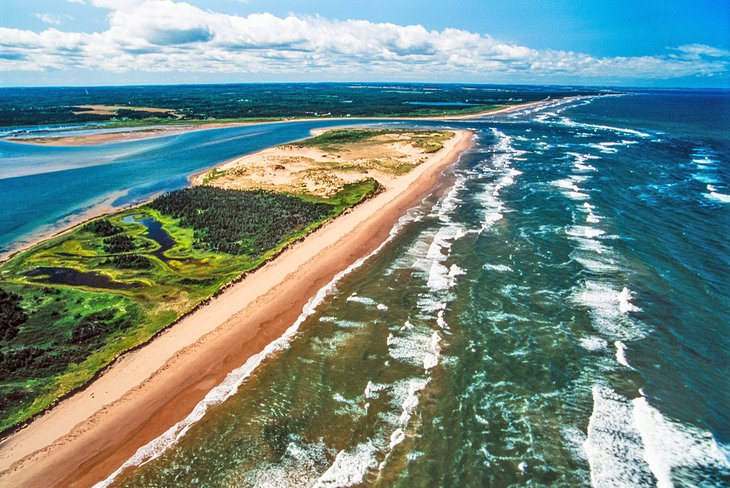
column 559, row 316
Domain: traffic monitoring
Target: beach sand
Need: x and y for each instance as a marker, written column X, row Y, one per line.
column 159, row 131
column 122, row 135
column 90, row 434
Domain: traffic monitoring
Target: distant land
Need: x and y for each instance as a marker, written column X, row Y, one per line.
column 178, row 104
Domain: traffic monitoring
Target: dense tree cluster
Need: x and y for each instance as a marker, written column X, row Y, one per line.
column 116, row 244
column 130, row 261
column 21, row 361
column 239, row 222
column 96, row 326
column 103, row 228
column 12, row 315
column 19, row 364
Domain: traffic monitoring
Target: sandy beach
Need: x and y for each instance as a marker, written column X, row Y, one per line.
column 90, row 434
column 159, row 131
column 123, row 135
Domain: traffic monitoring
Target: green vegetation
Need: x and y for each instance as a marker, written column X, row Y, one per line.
column 338, row 137
column 258, row 102
column 73, row 303
column 12, row 315
column 103, row 228
column 261, row 219
column 335, row 140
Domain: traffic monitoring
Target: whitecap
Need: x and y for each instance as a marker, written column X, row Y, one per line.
column 349, row 467
column 717, row 196
column 621, row 354
column 613, row 445
column 358, row 299
column 502, row 268
column 670, row 446
column 593, row 343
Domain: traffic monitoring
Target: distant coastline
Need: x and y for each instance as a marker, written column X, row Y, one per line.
column 167, row 130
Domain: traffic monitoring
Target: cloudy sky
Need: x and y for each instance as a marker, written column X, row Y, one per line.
column 596, row 42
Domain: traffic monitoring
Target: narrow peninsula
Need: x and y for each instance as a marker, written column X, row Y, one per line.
column 202, row 277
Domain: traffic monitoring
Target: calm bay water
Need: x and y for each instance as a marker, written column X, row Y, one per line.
column 559, row 316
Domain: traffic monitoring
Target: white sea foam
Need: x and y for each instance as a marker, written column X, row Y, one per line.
column 713, row 194
column 565, row 184
column 571, row 123
column 440, row 319
column 300, row 465
column 605, row 147
column 431, row 359
column 396, row 437
column 410, row 346
column 570, row 189
column 350, row 408
column 593, row 343
column 624, row 301
column 610, row 309
column 358, row 299
column 372, row 390
column 613, row 445
column 621, row 354
column 405, row 395
column 579, row 178
column 669, row 445
column 584, row 232
column 705, row 178
column 349, row 467
column 704, row 161
column 606, row 265
column 502, row 155
column 502, row 268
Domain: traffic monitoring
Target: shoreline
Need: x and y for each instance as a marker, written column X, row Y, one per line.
column 90, row 434
column 162, row 131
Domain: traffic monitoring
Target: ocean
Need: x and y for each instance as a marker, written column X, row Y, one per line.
column 559, row 314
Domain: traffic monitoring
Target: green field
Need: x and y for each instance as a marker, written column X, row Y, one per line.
column 73, row 303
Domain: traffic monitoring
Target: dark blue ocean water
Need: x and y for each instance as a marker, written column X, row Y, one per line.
column 558, row 316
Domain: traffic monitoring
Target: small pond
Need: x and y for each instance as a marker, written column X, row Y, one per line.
column 74, row 277
column 154, row 232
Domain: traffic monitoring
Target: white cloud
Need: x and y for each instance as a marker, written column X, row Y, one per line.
column 80, row 2
column 703, row 50
column 49, row 19
column 170, row 36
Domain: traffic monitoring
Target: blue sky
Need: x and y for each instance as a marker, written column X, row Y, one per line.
column 617, row 42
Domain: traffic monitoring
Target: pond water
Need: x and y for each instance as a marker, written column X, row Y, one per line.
column 74, row 277
column 154, row 232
